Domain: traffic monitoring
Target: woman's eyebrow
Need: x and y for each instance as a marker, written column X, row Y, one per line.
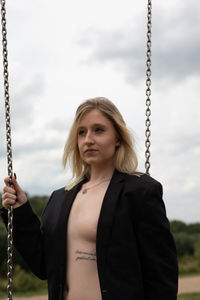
column 93, row 125
column 99, row 124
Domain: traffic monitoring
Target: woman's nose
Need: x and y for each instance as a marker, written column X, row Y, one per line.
column 88, row 138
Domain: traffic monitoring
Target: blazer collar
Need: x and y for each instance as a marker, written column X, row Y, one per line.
column 118, row 176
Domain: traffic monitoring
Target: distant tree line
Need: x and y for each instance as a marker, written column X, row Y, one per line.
column 187, row 240
column 187, row 237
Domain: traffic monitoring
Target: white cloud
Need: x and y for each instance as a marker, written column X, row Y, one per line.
column 175, row 43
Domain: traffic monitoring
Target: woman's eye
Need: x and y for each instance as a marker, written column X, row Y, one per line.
column 81, row 132
column 98, row 130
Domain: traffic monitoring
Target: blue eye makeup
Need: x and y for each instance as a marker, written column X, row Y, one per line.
column 98, row 129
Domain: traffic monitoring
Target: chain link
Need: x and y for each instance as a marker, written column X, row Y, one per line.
column 9, row 147
column 148, row 90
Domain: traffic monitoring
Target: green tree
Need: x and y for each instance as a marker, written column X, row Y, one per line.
column 178, row 226
column 185, row 244
column 193, row 228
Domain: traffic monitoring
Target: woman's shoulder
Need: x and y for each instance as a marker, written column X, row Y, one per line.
column 141, row 178
column 60, row 191
column 64, row 190
column 142, row 190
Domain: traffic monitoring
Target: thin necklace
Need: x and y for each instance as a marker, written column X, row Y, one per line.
column 84, row 191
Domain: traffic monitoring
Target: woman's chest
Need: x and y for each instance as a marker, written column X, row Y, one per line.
column 84, row 216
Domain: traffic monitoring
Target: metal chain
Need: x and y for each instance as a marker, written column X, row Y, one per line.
column 148, row 90
column 9, row 147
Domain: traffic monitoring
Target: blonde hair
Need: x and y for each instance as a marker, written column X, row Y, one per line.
column 125, row 157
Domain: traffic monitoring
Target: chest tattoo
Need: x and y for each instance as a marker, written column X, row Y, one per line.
column 82, row 255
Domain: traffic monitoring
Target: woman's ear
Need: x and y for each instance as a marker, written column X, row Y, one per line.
column 118, row 142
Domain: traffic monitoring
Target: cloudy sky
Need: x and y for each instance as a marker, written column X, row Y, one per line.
column 63, row 52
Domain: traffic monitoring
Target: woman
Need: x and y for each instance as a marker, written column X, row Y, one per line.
column 105, row 235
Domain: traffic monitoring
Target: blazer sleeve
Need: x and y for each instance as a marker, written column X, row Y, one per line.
column 156, row 246
column 28, row 237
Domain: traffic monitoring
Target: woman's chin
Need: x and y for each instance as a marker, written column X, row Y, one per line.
column 94, row 162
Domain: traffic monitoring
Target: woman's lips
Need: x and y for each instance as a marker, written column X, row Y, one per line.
column 90, row 150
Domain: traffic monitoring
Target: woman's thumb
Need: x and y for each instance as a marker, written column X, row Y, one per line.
column 16, row 185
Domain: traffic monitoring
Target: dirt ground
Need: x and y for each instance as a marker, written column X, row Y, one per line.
column 189, row 284
column 186, row 285
column 33, row 298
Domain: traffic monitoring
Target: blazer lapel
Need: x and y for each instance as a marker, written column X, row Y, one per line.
column 107, row 210
column 67, row 203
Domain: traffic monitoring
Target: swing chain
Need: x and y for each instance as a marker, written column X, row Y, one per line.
column 148, row 90
column 9, row 147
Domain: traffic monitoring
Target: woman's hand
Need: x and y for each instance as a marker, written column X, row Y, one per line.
column 13, row 195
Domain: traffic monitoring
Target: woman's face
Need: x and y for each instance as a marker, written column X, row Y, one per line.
column 97, row 139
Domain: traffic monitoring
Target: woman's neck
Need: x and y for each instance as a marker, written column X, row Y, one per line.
column 99, row 174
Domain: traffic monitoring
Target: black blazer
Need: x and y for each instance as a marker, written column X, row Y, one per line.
column 136, row 254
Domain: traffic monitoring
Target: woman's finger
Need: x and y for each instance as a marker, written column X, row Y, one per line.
column 13, row 195
column 9, row 196
column 8, row 189
column 8, row 202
